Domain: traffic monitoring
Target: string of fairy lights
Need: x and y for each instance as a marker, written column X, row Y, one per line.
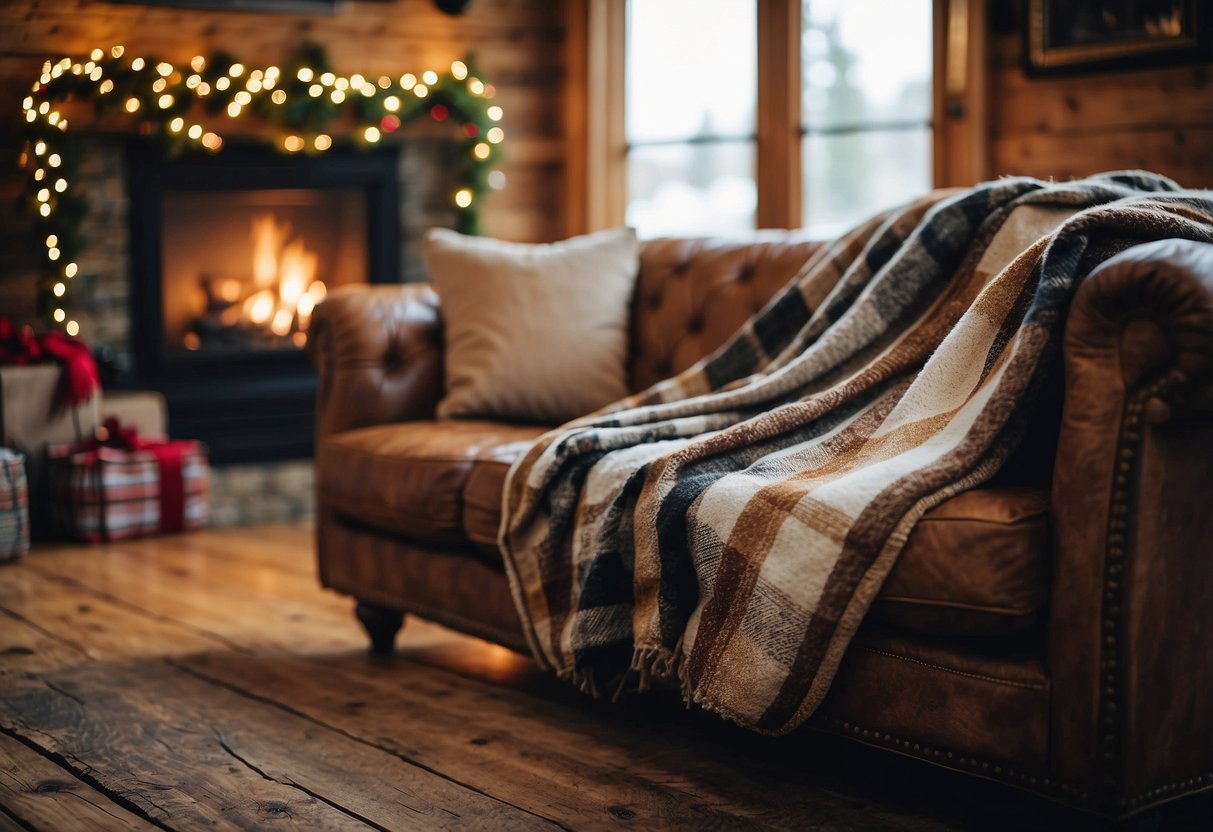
column 304, row 104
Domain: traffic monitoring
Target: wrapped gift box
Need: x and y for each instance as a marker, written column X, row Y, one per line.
column 14, row 506
column 33, row 416
column 119, row 486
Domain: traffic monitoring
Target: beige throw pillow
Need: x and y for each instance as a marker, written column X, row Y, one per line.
column 535, row 333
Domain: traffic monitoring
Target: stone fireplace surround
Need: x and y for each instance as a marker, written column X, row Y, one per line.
column 102, row 299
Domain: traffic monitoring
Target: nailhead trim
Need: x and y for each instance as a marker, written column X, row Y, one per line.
column 955, row 759
column 1203, row 781
column 1006, row 773
column 1116, row 554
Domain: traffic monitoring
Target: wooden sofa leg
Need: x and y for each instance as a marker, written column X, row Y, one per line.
column 381, row 625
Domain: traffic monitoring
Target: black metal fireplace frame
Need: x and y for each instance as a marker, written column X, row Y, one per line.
column 251, row 406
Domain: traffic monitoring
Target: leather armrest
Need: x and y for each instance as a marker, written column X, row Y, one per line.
column 378, row 350
column 1131, row 613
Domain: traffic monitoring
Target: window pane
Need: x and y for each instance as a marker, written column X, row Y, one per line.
column 865, row 62
column 691, row 189
column 849, row 177
column 691, row 70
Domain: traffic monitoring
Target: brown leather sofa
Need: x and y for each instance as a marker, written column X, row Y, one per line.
column 1052, row 629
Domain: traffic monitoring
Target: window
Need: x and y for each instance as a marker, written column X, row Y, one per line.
column 691, row 97
column 866, row 104
column 733, row 121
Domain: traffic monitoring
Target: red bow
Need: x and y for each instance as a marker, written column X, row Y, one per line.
column 79, row 381
column 114, row 434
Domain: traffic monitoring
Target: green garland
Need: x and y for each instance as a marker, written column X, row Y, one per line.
column 299, row 101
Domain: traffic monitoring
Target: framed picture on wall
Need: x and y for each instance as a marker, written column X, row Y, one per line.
column 305, row 6
column 1088, row 35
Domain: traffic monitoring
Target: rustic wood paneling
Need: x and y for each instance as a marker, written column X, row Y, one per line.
column 517, row 44
column 1157, row 118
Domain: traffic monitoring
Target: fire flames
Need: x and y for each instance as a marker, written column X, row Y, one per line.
column 276, row 305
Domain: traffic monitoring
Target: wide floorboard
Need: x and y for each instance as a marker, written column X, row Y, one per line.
column 206, row 681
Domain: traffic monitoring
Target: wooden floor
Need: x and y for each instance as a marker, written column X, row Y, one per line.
column 206, row 680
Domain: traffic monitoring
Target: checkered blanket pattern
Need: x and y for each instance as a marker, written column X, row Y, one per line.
column 14, row 506
column 728, row 528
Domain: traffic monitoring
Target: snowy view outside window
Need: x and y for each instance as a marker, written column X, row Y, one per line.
column 692, row 87
column 691, row 100
column 865, row 108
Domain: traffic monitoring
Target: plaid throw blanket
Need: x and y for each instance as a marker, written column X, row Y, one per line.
column 729, row 527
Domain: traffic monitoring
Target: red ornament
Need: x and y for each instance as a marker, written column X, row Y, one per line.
column 439, row 112
column 471, row 130
column 389, row 123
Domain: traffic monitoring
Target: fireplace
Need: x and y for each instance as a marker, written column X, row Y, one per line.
column 230, row 253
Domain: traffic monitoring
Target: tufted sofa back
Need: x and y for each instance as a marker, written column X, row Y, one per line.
column 691, row 295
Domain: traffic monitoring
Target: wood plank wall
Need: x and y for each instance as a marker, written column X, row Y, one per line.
column 518, row 45
column 1159, row 118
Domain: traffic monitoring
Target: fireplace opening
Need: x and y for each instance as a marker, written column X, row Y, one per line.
column 230, row 254
column 243, row 271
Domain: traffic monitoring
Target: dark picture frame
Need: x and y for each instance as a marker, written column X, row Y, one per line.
column 295, row 6
column 1065, row 36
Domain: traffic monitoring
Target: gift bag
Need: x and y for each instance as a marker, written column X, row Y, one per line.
column 14, row 506
column 120, row 485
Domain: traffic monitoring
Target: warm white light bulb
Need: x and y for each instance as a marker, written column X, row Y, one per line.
column 459, row 69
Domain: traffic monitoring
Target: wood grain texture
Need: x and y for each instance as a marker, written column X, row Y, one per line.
column 1159, row 119
column 187, row 752
column 206, row 679
column 40, row 793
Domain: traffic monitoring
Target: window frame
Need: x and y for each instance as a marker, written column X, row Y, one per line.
column 596, row 140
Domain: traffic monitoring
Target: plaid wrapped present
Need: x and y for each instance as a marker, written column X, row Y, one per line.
column 119, row 485
column 14, row 506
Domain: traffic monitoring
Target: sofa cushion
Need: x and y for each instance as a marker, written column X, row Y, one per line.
column 409, row 478
column 975, row 564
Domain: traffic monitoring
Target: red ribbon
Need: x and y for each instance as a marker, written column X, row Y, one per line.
column 169, row 457
column 19, row 346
